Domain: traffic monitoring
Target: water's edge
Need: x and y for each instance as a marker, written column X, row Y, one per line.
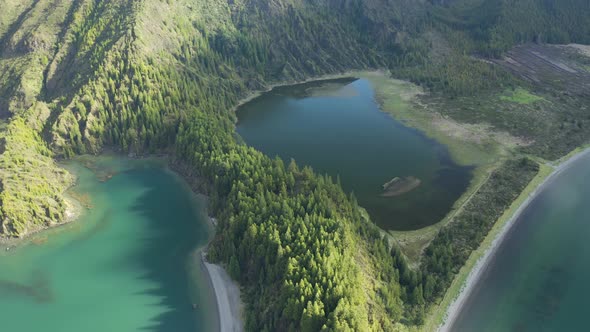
column 225, row 291
column 477, row 272
column 197, row 262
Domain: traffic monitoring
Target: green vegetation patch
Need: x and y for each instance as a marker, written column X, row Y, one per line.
column 467, row 144
column 520, row 96
column 31, row 184
column 413, row 243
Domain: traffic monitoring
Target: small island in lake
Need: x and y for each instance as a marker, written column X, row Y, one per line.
column 398, row 186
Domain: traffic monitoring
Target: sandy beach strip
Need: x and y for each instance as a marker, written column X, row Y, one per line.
column 476, row 273
column 227, row 295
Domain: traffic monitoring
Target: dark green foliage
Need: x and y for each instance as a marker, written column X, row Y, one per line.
column 290, row 237
column 455, row 75
column 495, row 26
column 448, row 55
column 300, row 247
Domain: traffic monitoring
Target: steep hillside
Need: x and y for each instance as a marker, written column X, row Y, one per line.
column 163, row 76
column 47, row 49
column 134, row 74
column 502, row 23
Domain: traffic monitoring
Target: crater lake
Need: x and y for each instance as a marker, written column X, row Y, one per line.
column 337, row 128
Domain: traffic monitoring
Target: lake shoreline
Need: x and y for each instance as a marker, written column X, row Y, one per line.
column 117, row 210
column 227, row 295
column 257, row 93
column 72, row 213
column 228, row 307
column 226, row 292
column 476, row 273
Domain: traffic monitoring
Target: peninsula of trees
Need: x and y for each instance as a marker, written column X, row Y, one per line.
column 155, row 76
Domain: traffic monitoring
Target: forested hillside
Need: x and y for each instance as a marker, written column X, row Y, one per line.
column 163, row 76
column 445, row 54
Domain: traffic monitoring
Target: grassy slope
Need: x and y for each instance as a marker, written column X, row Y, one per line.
column 27, row 46
column 468, row 145
column 11, row 10
column 520, row 96
column 31, row 182
column 49, row 49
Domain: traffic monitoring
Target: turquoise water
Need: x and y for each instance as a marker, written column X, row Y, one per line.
column 538, row 281
column 337, row 128
column 125, row 265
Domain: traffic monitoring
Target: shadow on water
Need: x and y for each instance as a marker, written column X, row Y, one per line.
column 39, row 289
column 545, row 302
column 306, row 90
column 173, row 234
column 451, row 176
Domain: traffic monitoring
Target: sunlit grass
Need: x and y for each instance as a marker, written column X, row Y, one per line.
column 520, row 96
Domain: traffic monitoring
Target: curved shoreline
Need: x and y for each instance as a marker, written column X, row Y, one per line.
column 227, row 296
column 348, row 73
column 452, row 312
column 226, row 292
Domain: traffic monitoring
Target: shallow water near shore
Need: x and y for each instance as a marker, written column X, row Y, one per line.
column 336, row 127
column 538, row 279
column 126, row 265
